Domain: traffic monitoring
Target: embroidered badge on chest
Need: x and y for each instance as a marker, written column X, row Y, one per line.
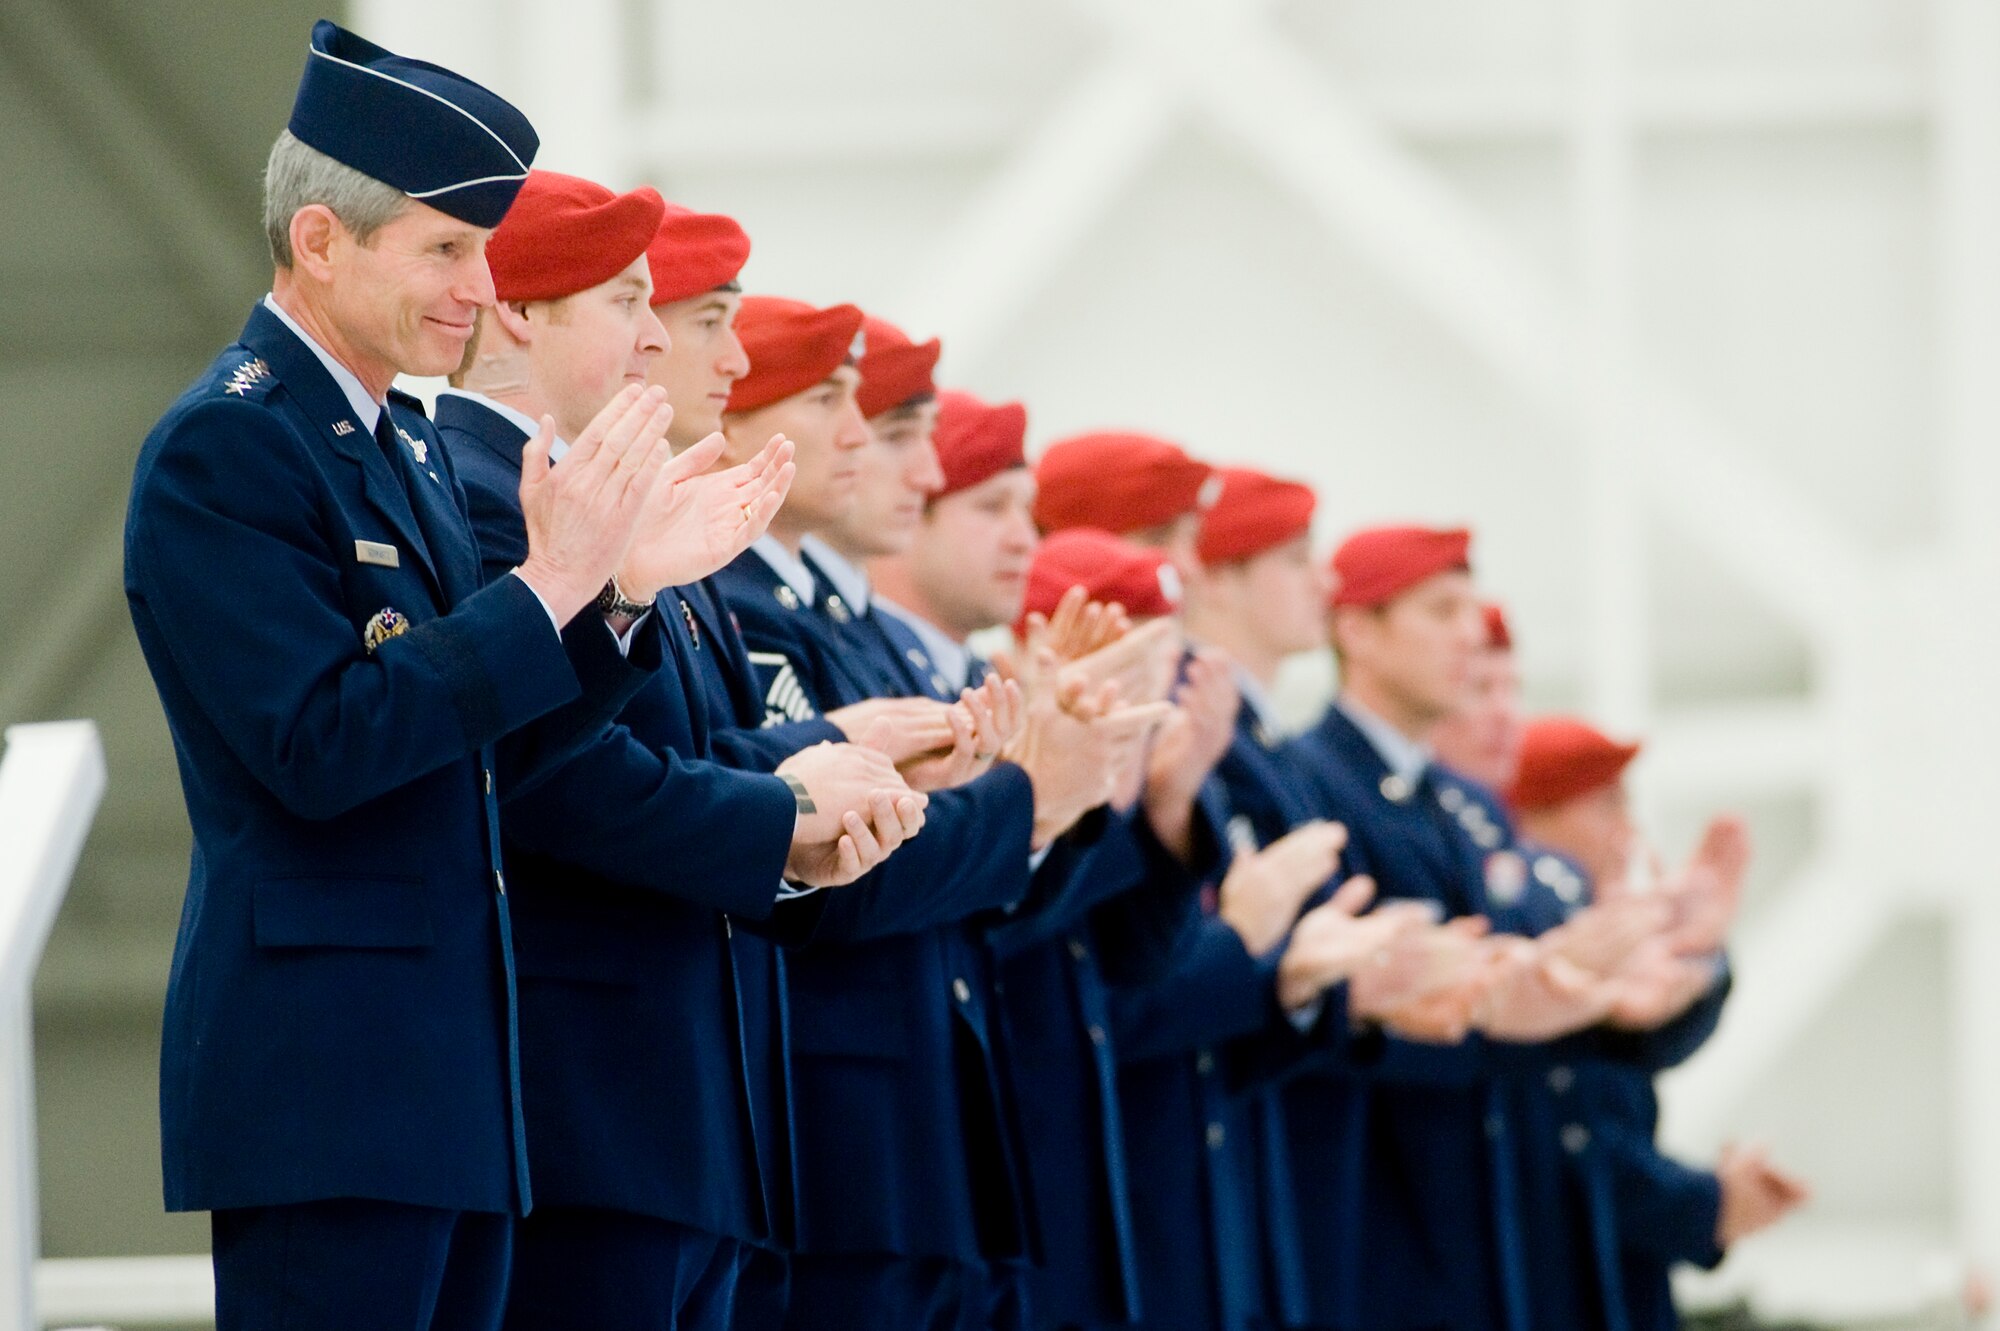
column 387, row 623
column 418, row 448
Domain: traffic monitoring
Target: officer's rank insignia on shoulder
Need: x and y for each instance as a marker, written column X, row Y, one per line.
column 386, row 623
column 250, row 374
column 785, row 699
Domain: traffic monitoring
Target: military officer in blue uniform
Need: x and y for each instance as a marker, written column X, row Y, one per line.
column 339, row 1080
column 903, row 1225
column 629, row 863
column 1633, row 1212
column 1430, row 1118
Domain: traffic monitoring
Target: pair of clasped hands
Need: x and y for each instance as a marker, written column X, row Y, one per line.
column 623, row 506
column 1633, row 960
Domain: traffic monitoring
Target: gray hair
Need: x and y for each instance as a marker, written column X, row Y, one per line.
column 298, row 176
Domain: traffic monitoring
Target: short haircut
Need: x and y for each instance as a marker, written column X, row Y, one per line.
column 298, row 176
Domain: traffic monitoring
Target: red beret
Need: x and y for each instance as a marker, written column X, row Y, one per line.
column 1119, row 482
column 1563, row 759
column 1252, row 514
column 1110, row 569
column 1376, row 566
column 791, row 346
column 893, row 368
column 976, row 441
column 693, row 253
column 564, row 235
column 1499, row 638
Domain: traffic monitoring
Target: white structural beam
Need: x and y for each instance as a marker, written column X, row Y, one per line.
column 1966, row 55
column 1618, row 655
column 1415, row 229
column 1738, row 751
column 983, row 273
column 126, row 1291
column 1787, row 965
column 667, row 135
column 51, row 780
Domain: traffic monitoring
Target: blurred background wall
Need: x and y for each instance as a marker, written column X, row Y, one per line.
column 1690, row 307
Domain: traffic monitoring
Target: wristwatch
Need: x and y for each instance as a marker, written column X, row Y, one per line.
column 613, row 601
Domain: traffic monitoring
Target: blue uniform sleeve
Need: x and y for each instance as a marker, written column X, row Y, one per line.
column 763, row 750
column 231, row 565
column 1216, row 993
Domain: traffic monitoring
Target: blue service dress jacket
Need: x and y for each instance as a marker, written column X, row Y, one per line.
column 338, row 681
column 639, row 1070
column 902, row 1141
column 1108, row 901
column 1203, row 1051
column 1439, row 1127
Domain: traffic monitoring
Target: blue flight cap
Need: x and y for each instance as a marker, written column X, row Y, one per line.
column 435, row 135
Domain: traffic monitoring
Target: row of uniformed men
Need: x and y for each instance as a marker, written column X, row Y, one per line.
column 622, row 896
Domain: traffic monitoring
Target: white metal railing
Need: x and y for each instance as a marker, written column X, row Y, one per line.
column 125, row 1291
column 51, row 780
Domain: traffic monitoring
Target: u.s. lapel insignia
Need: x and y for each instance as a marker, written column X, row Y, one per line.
column 694, row 628
column 838, row 609
column 245, row 377
column 418, row 448
column 1506, row 877
column 787, row 597
column 386, row 623
column 1395, row 789
column 343, row 428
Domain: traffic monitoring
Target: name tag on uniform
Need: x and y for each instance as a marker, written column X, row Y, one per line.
column 374, row 552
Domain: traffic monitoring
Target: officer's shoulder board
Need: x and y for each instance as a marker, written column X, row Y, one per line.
column 408, row 402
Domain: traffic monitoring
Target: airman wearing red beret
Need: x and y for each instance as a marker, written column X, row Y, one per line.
column 802, row 384
column 1138, row 486
column 1109, row 568
column 898, row 469
column 1482, row 738
column 1257, row 593
column 967, row 567
column 696, row 259
column 1569, row 793
column 571, row 324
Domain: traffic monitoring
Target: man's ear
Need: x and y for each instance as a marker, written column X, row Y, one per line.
column 513, row 316
column 315, row 234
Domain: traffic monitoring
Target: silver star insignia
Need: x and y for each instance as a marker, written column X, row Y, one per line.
column 245, row 376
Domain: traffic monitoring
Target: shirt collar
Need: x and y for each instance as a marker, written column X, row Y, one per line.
column 1258, row 700
column 849, row 580
column 951, row 660
column 520, row 420
column 787, row 566
column 1401, row 754
column 364, row 407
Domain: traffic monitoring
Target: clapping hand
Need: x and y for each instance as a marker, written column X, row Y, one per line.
column 696, row 521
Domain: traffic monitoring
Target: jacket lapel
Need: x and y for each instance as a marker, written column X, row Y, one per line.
column 321, row 399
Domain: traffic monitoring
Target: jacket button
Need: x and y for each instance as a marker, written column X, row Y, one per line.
column 1204, row 1063
column 1216, row 1136
column 1496, row 1128
column 961, row 991
column 1561, row 1079
column 1096, row 1033
column 1077, row 951
column 1575, row 1138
